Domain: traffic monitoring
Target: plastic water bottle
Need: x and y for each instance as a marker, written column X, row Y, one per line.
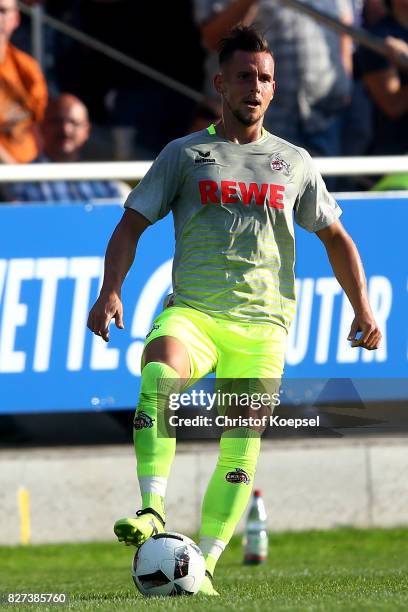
column 255, row 539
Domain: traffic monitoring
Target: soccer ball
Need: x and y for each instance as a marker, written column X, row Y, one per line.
column 168, row 564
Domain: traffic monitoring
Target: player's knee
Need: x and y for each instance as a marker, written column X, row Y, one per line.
column 169, row 351
column 154, row 370
column 158, row 377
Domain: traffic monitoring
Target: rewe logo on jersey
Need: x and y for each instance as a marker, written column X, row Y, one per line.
column 233, row 192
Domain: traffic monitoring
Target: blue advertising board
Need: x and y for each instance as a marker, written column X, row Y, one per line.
column 51, row 263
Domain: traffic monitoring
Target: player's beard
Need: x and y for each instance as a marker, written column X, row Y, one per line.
column 242, row 117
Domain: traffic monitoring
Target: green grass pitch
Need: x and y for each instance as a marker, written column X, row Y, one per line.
column 343, row 569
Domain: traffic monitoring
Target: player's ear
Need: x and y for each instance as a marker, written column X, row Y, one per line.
column 218, row 83
column 273, row 89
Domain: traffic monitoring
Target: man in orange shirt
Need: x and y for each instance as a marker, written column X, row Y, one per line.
column 23, row 93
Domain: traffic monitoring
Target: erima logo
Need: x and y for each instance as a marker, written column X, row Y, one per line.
column 203, row 157
column 152, row 330
column 237, row 477
column 142, row 420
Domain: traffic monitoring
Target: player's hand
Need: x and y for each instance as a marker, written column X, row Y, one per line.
column 370, row 335
column 396, row 48
column 108, row 306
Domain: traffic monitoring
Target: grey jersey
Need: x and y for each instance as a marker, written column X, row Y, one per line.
column 233, row 208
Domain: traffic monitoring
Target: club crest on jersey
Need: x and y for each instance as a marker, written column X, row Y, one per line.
column 142, row 420
column 203, row 157
column 278, row 164
column 237, row 477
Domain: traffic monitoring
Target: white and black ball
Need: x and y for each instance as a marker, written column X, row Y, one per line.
column 168, row 564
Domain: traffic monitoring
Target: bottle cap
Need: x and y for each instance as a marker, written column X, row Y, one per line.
column 257, row 493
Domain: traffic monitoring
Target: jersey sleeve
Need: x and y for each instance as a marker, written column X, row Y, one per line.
column 315, row 208
column 154, row 195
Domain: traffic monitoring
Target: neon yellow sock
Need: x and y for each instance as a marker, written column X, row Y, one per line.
column 154, row 449
column 228, row 491
column 210, row 562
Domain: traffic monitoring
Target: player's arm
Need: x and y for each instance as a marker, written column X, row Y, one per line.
column 348, row 269
column 150, row 201
column 119, row 257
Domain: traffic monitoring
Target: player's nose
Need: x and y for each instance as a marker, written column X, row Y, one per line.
column 255, row 85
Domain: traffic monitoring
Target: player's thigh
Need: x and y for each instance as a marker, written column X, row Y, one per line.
column 249, row 350
column 250, row 369
column 180, row 338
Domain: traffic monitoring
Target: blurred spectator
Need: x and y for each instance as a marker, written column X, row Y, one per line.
column 367, row 12
column 23, row 93
column 372, row 11
column 313, row 65
column 386, row 83
column 64, row 131
column 358, row 118
column 144, row 113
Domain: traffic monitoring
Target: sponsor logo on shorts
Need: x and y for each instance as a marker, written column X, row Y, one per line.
column 142, row 420
column 153, row 329
column 237, row 477
column 203, row 157
column 278, row 164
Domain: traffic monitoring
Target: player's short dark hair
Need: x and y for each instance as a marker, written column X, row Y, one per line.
column 242, row 38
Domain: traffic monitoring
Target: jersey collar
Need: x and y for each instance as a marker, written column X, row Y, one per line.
column 212, row 131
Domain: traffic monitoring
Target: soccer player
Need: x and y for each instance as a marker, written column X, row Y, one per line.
column 233, row 189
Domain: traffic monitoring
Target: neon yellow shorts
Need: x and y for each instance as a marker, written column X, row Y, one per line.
column 228, row 348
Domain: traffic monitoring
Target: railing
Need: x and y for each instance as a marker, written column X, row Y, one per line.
column 328, row 166
column 40, row 18
column 333, row 166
